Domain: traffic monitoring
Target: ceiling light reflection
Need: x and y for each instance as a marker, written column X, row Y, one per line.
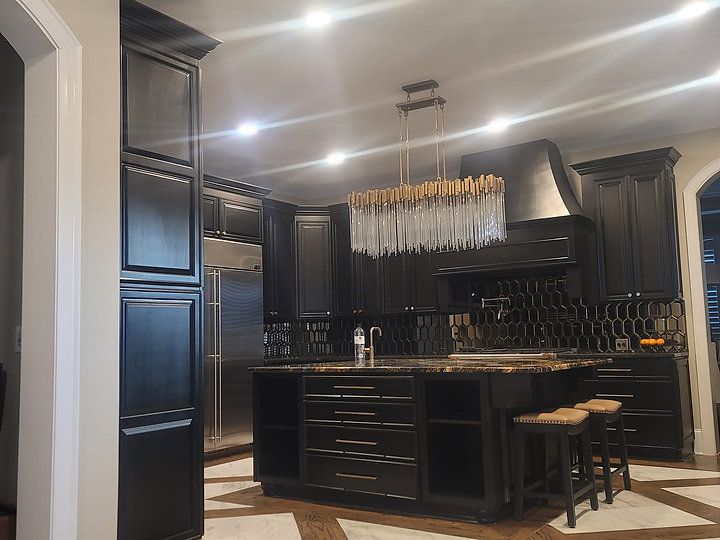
column 318, row 19
column 247, row 129
column 335, row 158
column 694, row 9
column 498, row 125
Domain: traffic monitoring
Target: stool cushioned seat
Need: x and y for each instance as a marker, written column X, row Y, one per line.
column 603, row 406
column 563, row 415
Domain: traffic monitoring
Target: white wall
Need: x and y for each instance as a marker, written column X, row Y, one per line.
column 11, row 202
column 96, row 24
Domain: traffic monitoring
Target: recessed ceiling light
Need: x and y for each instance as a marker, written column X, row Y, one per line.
column 694, row 9
column 317, row 19
column 247, row 129
column 335, row 158
column 498, row 125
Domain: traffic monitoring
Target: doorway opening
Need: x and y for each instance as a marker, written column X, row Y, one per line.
column 11, row 237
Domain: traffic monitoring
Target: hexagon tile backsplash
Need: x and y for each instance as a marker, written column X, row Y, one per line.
column 539, row 315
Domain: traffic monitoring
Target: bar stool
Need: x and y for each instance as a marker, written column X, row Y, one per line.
column 603, row 413
column 563, row 423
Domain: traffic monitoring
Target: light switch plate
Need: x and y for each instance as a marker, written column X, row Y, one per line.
column 18, row 339
column 622, row 344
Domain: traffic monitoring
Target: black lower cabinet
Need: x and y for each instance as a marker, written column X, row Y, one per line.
column 161, row 454
column 657, row 409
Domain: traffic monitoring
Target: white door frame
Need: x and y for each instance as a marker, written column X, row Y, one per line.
column 705, row 427
column 49, row 376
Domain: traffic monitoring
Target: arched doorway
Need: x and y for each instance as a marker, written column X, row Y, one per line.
column 707, row 442
column 49, row 379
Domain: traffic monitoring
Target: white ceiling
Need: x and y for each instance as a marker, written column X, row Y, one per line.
column 584, row 62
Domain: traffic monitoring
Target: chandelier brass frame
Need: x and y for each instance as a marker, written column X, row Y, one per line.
column 436, row 215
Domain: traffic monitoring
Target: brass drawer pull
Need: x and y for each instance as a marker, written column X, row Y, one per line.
column 348, row 387
column 350, row 441
column 616, row 395
column 627, row 429
column 355, row 476
column 357, row 413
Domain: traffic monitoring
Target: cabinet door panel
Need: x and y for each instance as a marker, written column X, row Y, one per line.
column 158, row 488
column 279, row 273
column 160, row 352
column 158, row 107
column 160, row 230
column 210, row 215
column 650, row 235
column 346, row 302
column 241, row 221
column 370, row 284
column 313, row 268
column 396, row 300
column 613, row 229
column 424, row 292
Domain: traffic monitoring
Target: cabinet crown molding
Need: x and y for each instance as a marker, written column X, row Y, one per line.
column 661, row 156
column 144, row 22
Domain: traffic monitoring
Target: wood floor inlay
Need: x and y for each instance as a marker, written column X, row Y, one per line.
column 668, row 501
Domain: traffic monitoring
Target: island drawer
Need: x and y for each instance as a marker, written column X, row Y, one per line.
column 349, row 387
column 376, row 477
column 360, row 414
column 382, row 443
column 634, row 395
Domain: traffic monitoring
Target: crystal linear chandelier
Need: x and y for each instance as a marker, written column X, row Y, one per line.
column 436, row 215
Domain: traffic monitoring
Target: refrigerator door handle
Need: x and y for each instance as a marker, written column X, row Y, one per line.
column 219, row 356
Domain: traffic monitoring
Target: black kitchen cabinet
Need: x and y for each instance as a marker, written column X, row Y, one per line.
column 232, row 216
column 657, row 410
column 160, row 459
column 410, row 286
column 631, row 199
column 357, row 278
column 313, row 274
column 278, row 259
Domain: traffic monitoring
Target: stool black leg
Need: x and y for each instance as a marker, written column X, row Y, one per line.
column 589, row 468
column 605, row 454
column 623, row 454
column 566, row 472
column 519, row 473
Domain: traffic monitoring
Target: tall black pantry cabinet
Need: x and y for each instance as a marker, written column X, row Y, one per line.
column 160, row 491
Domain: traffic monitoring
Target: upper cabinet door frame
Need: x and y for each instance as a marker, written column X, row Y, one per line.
column 131, row 52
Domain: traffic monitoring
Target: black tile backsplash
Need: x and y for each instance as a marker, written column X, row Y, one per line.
column 539, row 315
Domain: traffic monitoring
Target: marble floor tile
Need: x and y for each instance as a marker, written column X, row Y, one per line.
column 223, row 488
column 280, row 526
column 630, row 511
column 241, row 467
column 648, row 473
column 358, row 530
column 705, row 494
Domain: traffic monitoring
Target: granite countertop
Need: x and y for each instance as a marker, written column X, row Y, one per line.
column 439, row 365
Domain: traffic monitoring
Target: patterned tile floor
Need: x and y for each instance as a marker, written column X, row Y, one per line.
column 669, row 501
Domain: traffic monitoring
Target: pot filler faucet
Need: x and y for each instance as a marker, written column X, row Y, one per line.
column 371, row 348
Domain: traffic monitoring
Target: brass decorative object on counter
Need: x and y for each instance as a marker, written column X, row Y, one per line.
column 439, row 214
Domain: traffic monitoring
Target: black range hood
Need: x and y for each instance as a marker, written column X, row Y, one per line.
column 546, row 229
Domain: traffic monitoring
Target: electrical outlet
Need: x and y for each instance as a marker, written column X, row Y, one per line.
column 18, row 339
column 622, row 344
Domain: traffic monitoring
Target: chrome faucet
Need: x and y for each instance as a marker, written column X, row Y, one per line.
column 371, row 348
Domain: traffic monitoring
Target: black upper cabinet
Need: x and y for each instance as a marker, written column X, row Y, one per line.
column 631, row 199
column 409, row 283
column 358, row 283
column 233, row 209
column 278, row 257
column 312, row 256
column 160, row 177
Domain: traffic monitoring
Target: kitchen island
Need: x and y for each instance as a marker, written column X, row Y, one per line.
column 409, row 435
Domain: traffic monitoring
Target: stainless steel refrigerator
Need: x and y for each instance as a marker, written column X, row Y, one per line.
column 233, row 299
